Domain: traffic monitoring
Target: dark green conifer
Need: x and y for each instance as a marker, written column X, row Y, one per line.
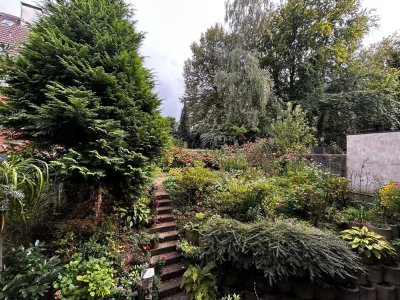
column 79, row 85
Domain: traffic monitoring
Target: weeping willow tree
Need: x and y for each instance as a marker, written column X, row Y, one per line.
column 21, row 185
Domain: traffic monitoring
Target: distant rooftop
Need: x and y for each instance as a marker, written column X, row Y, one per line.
column 12, row 33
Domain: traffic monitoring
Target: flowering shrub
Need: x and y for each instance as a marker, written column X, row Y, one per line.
column 189, row 158
column 390, row 199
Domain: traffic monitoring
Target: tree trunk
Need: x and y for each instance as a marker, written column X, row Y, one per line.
column 99, row 202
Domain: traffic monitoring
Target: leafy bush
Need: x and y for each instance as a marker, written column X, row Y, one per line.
column 247, row 201
column 280, row 249
column 29, row 274
column 192, row 184
column 86, row 279
column 136, row 214
column 390, row 199
column 368, row 244
column 290, row 133
column 233, row 297
column 200, row 282
column 189, row 251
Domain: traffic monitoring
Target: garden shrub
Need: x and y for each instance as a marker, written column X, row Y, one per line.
column 280, row 249
column 29, row 274
column 86, row 279
column 200, row 282
column 247, row 200
column 390, row 199
column 193, row 183
column 181, row 158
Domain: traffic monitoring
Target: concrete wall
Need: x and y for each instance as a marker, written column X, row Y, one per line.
column 373, row 159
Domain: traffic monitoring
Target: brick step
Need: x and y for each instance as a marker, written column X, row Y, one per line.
column 170, row 287
column 163, row 227
column 163, row 218
column 172, row 271
column 169, row 236
column 164, row 248
column 164, row 210
column 161, row 195
column 164, row 202
column 170, row 258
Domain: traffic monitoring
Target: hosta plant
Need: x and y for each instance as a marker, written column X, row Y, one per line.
column 368, row 244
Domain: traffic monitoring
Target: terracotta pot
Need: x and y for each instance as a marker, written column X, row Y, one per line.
column 374, row 273
column 391, row 274
column 271, row 297
column 368, row 292
column 303, row 289
column 285, row 287
column 325, row 292
column 385, row 232
column 385, row 292
column 192, row 236
column 345, row 293
column 155, row 244
column 395, row 231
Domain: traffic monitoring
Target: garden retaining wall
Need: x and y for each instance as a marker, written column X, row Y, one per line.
column 373, row 159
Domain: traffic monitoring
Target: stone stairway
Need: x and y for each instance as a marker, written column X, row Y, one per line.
column 171, row 276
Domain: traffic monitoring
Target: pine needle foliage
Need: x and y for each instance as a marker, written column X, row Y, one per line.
column 80, row 84
column 280, row 249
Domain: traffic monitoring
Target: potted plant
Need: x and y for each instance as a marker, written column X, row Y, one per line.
column 396, row 245
column 385, row 291
column 367, row 291
column 371, row 246
column 155, row 240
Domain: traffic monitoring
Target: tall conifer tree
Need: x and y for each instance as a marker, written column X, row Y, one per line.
column 79, row 85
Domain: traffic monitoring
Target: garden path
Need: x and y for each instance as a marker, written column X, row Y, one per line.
column 171, row 276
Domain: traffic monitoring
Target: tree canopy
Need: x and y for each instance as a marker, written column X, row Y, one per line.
column 312, row 51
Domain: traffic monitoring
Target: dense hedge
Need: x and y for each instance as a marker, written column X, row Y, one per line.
column 280, row 249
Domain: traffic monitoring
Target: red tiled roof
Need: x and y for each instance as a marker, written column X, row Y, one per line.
column 12, row 35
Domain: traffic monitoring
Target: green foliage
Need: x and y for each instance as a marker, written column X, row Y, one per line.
column 80, row 72
column 200, row 282
column 136, row 215
column 194, row 183
column 389, row 200
column 353, row 214
column 22, row 182
column 280, row 249
column 233, row 297
column 290, row 133
column 29, row 274
column 86, row 279
column 189, row 251
column 368, row 244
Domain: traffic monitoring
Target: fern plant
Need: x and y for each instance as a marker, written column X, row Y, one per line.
column 200, row 282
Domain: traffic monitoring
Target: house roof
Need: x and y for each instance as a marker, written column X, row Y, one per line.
column 12, row 33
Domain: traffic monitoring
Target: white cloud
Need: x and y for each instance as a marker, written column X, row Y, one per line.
column 173, row 25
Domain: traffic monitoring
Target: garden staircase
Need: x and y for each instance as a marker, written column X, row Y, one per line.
column 171, row 276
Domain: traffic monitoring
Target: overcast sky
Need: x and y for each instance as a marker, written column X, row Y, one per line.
column 172, row 25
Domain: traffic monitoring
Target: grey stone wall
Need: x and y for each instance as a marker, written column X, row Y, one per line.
column 373, row 159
